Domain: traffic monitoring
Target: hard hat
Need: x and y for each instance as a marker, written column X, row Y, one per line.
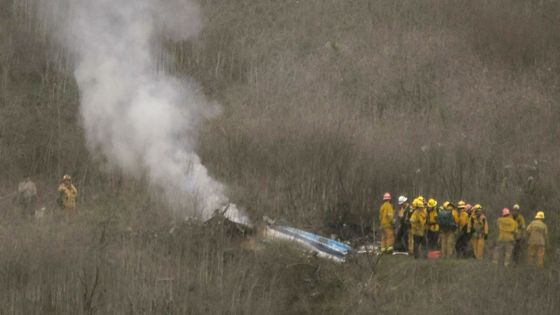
column 432, row 203
column 505, row 211
column 66, row 177
column 446, row 204
column 516, row 206
column 421, row 198
column 402, row 199
column 540, row 215
column 461, row 204
column 420, row 204
column 387, row 196
column 477, row 207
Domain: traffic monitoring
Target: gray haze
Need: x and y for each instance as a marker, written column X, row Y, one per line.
column 141, row 119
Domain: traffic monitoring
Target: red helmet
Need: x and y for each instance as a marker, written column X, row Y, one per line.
column 505, row 212
column 387, row 196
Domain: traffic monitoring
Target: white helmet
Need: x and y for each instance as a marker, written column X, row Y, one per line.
column 402, row 199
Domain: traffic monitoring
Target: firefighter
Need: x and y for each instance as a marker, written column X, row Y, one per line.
column 418, row 227
column 67, row 196
column 462, row 235
column 537, row 238
column 504, row 247
column 478, row 229
column 520, row 233
column 386, row 218
column 432, row 225
column 405, row 210
column 447, row 221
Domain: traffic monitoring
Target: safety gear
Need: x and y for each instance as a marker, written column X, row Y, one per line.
column 540, row 215
column 505, row 211
column 420, row 204
column 68, row 194
column 461, row 204
column 386, row 215
column 388, row 240
column 536, row 252
column 66, row 177
column 515, row 207
column 402, row 199
column 537, row 233
column 421, row 198
column 507, row 229
column 432, row 220
column 478, row 247
column 432, row 203
column 463, row 221
column 503, row 248
column 477, row 207
column 446, row 204
column 418, row 222
column 447, row 243
column 447, row 221
column 386, row 196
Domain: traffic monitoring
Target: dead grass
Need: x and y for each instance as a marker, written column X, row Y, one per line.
column 94, row 267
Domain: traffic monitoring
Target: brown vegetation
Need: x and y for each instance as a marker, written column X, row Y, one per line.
column 327, row 104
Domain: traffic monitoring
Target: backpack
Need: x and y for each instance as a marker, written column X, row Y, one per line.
column 446, row 221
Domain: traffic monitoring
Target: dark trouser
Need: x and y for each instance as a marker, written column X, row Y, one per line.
column 461, row 245
column 433, row 238
column 419, row 241
column 517, row 246
column 401, row 242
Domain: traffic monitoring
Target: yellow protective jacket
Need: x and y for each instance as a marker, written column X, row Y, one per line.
column 455, row 216
column 431, row 221
column 478, row 226
column 507, row 228
column 386, row 215
column 537, row 232
column 418, row 222
column 463, row 221
column 68, row 195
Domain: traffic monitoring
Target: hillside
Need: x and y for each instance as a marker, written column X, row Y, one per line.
column 323, row 106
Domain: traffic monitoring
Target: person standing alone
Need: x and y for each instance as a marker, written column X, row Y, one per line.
column 67, row 194
column 537, row 237
column 386, row 217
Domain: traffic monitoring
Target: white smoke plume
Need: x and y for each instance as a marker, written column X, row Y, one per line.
column 141, row 119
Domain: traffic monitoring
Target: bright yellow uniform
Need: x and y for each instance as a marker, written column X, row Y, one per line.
column 507, row 229
column 418, row 223
column 537, row 235
column 478, row 228
column 68, row 195
column 386, row 219
column 463, row 221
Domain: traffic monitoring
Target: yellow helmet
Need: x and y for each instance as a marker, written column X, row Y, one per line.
column 540, row 215
column 516, row 206
column 477, row 206
column 432, row 203
column 461, row 204
column 446, row 204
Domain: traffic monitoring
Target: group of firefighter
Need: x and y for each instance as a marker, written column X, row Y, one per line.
column 449, row 230
column 66, row 200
